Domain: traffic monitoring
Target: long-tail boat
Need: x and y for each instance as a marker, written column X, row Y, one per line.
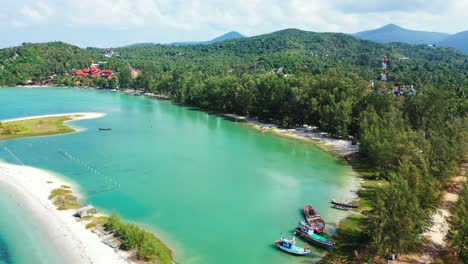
column 290, row 247
column 340, row 207
column 314, row 239
column 314, row 219
column 349, row 205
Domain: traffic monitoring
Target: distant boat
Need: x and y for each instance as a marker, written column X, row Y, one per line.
column 314, row 219
column 317, row 240
column 349, row 205
column 340, row 207
column 105, row 128
column 290, row 247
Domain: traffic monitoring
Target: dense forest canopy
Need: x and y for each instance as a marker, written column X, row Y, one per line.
column 415, row 139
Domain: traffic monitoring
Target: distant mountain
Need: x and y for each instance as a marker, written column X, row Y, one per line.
column 143, row 44
column 394, row 33
column 458, row 41
column 227, row 36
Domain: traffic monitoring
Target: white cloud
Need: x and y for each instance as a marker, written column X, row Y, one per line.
column 38, row 13
column 180, row 20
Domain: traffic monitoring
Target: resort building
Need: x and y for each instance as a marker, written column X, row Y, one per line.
column 95, row 72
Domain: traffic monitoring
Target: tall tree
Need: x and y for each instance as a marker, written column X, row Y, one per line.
column 457, row 236
column 398, row 220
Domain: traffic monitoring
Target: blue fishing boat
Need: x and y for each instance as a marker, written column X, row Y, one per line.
column 303, row 230
column 290, row 247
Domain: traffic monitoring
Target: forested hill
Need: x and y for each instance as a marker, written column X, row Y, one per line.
column 292, row 49
column 297, row 50
column 38, row 61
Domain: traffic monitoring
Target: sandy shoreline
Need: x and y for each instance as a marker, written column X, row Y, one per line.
column 342, row 147
column 70, row 238
column 75, row 116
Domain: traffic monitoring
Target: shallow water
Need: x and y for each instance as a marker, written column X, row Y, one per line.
column 20, row 240
column 216, row 191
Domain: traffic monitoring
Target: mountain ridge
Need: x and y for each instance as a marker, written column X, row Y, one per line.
column 227, row 36
column 458, row 41
column 394, row 33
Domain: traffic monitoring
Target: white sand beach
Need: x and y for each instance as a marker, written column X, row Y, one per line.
column 339, row 146
column 75, row 116
column 30, row 188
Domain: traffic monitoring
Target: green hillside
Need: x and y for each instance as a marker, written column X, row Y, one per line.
column 316, row 53
column 40, row 60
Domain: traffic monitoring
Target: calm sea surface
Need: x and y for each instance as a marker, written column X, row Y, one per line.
column 215, row 191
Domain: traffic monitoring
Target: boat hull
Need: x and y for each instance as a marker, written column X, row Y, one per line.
column 339, row 207
column 306, row 236
column 306, row 252
column 344, row 204
column 314, row 219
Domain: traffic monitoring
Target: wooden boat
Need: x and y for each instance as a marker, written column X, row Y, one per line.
column 349, row 205
column 314, row 219
column 290, row 247
column 340, row 207
column 105, row 128
column 312, row 238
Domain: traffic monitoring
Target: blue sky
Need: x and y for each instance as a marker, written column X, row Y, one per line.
column 110, row 23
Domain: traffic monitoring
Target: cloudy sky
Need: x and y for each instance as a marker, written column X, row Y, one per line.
column 110, row 23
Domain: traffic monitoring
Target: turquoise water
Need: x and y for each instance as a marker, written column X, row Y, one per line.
column 20, row 240
column 216, row 191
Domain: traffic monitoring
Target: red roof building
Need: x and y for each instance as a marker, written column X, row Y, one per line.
column 95, row 72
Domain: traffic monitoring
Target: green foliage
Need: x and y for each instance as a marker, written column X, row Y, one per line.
column 457, row 236
column 149, row 248
column 125, row 77
column 398, row 219
column 95, row 221
column 64, row 199
column 59, row 192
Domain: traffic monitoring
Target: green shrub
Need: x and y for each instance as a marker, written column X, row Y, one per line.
column 148, row 247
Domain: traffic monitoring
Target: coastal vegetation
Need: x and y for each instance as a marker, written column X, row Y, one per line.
column 64, row 199
column 144, row 244
column 147, row 246
column 411, row 144
column 34, row 127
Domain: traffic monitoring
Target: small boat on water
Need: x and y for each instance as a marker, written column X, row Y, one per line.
column 105, row 128
column 340, row 207
column 314, row 219
column 349, row 205
column 311, row 237
column 290, row 247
